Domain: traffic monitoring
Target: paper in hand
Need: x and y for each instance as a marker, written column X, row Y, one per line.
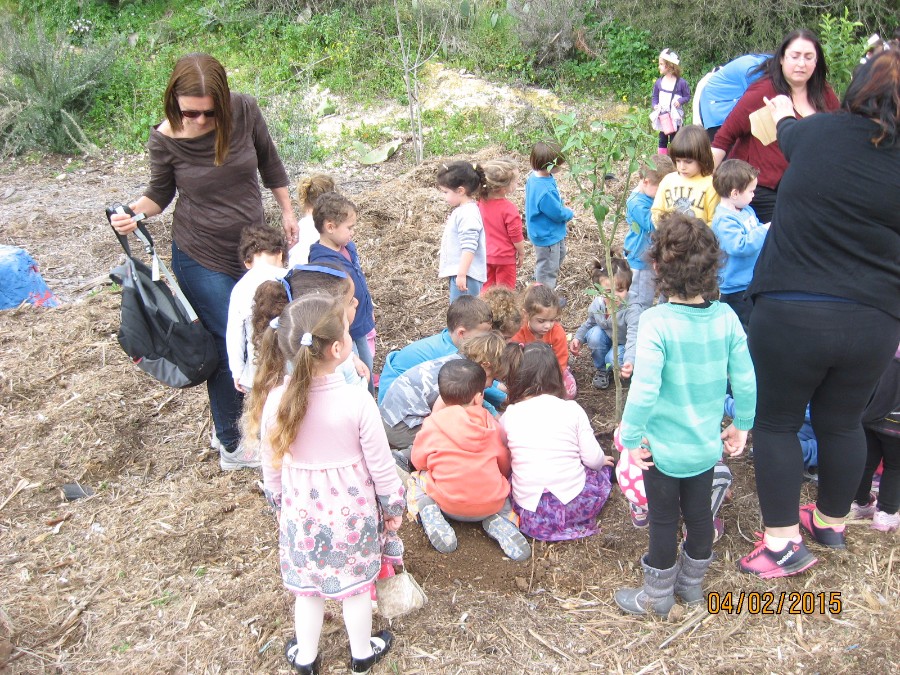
column 762, row 126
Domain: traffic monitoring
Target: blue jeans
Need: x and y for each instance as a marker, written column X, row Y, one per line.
column 361, row 347
column 547, row 261
column 600, row 344
column 473, row 286
column 209, row 293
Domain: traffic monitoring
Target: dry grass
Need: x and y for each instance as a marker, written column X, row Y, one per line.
column 172, row 565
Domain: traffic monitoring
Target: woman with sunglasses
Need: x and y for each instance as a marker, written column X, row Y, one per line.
column 209, row 149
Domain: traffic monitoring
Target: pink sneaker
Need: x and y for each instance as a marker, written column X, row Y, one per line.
column 885, row 522
column 768, row 564
column 827, row 536
column 858, row 512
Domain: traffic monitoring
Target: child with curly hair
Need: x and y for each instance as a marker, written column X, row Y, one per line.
column 688, row 351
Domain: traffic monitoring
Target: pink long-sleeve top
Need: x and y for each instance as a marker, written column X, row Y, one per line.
column 551, row 441
column 342, row 426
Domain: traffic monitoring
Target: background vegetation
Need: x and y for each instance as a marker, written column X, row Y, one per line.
column 77, row 72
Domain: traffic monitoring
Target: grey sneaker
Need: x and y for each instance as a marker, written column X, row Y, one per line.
column 513, row 542
column 601, row 379
column 241, row 458
column 439, row 532
column 214, row 443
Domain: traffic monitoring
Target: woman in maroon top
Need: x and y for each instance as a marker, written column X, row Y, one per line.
column 209, row 150
column 796, row 70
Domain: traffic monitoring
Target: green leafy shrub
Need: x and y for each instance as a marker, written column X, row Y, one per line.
column 292, row 125
column 843, row 45
column 46, row 85
column 716, row 31
column 623, row 60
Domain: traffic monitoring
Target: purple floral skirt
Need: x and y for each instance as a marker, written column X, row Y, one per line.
column 555, row 521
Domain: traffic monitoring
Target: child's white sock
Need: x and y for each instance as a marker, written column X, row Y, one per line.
column 358, row 621
column 309, row 613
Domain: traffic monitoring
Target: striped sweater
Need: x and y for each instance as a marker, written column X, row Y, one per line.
column 685, row 357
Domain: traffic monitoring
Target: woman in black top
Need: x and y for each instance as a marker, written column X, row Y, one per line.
column 826, row 319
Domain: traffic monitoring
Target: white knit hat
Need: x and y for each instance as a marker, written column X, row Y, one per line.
column 670, row 56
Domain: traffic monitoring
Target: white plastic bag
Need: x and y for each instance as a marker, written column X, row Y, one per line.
column 399, row 595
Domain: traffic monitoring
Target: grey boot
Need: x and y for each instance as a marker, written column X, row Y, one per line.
column 689, row 582
column 656, row 597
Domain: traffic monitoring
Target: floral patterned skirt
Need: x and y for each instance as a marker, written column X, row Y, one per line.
column 332, row 539
column 555, row 521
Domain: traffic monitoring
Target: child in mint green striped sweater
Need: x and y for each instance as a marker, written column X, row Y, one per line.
column 687, row 351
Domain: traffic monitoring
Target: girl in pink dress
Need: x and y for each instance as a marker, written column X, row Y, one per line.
column 330, row 477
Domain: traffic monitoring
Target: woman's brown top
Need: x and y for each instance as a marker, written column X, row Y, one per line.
column 215, row 202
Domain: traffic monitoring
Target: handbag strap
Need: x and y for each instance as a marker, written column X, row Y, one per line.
column 157, row 263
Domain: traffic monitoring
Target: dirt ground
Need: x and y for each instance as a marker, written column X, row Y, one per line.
column 171, row 565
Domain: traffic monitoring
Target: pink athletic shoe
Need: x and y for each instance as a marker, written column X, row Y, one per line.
column 826, row 536
column 768, row 564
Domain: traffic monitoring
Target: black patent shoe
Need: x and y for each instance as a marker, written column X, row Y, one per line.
column 381, row 645
column 290, row 653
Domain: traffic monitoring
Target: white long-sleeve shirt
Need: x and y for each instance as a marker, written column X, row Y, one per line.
column 239, row 331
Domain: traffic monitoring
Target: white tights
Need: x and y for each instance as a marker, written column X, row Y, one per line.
column 309, row 613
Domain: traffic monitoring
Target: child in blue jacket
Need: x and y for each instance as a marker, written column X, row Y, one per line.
column 741, row 236
column 545, row 214
column 640, row 225
column 334, row 217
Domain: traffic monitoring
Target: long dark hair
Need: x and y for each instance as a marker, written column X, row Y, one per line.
column 815, row 87
column 201, row 75
column 535, row 373
column 875, row 93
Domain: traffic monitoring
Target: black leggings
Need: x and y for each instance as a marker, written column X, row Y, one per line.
column 665, row 139
column 881, row 446
column 668, row 498
column 830, row 354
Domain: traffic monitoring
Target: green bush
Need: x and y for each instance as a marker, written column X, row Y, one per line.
column 46, row 85
column 716, row 31
column 623, row 61
column 491, row 44
column 843, row 45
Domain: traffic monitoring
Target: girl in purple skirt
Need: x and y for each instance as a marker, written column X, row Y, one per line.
column 560, row 475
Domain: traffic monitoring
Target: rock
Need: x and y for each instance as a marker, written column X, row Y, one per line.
column 521, row 584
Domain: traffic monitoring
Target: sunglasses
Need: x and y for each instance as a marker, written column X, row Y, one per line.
column 194, row 114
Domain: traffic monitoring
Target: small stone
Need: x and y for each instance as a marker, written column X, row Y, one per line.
column 521, row 584
column 676, row 614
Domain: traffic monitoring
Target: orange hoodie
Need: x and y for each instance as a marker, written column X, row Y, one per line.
column 555, row 337
column 465, row 460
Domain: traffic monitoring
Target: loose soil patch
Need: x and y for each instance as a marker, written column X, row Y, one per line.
column 171, row 566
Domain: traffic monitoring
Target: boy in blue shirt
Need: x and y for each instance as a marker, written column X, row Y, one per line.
column 637, row 239
column 545, row 214
column 740, row 234
column 467, row 316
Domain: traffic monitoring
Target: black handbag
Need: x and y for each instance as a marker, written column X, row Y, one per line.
column 159, row 329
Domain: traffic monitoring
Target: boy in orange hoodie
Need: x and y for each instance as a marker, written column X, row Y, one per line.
column 464, row 464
